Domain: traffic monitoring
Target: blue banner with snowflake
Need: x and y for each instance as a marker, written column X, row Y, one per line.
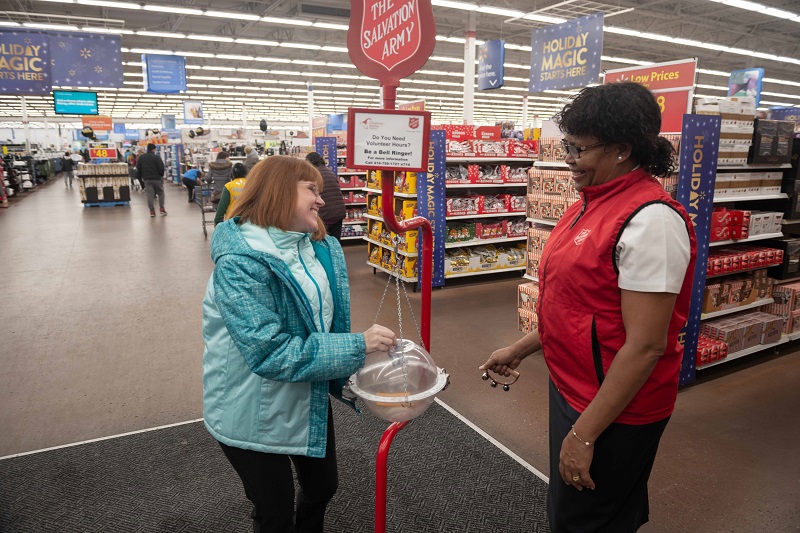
column 86, row 59
column 698, row 170
column 566, row 55
column 491, row 56
column 164, row 74
column 24, row 63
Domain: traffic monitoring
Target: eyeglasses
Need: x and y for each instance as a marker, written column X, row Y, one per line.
column 576, row 151
column 311, row 187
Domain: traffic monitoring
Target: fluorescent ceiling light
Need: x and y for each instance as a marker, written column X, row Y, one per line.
column 150, row 51
column 455, row 5
column 67, row 27
column 300, row 45
column 113, row 31
column 258, row 42
column 232, row 15
column 106, row 3
column 334, row 49
column 165, row 34
column 219, row 38
column 760, row 8
column 235, row 57
column 8, row 23
column 307, row 62
column 331, row 26
column 518, row 47
column 489, row 10
column 294, row 22
column 193, row 54
column 171, row 9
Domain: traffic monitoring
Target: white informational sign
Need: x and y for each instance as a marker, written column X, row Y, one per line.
column 388, row 139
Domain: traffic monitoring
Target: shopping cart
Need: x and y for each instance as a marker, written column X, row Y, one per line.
column 203, row 199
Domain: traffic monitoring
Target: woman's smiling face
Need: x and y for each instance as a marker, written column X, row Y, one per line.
column 306, row 211
column 591, row 161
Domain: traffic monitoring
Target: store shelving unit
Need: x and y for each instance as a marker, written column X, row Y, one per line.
column 104, row 185
column 736, row 309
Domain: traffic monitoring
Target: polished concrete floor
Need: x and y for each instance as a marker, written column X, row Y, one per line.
column 101, row 336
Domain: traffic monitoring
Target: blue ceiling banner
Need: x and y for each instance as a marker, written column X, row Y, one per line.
column 164, row 74
column 24, row 63
column 168, row 122
column 566, row 55
column 131, row 134
column 119, row 127
column 86, row 59
column 491, row 56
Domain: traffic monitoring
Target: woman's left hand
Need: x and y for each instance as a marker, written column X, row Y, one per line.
column 574, row 462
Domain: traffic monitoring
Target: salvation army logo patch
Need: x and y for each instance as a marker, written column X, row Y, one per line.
column 581, row 237
column 413, row 122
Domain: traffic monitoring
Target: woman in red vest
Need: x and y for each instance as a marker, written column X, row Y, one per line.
column 614, row 288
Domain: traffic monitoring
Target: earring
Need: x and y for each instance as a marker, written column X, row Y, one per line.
column 619, row 158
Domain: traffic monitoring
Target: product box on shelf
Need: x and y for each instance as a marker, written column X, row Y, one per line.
column 347, row 196
column 463, row 205
column 787, row 304
column 484, row 174
column 405, row 209
column 359, row 181
column 462, row 148
column 494, row 204
column 498, row 148
column 359, row 197
column 527, row 320
column 490, row 230
column 457, row 174
column 375, row 229
column 346, row 181
column 406, row 182
column 772, row 142
column 514, row 174
column 460, row 261
column 459, row 232
column 551, row 149
column 374, row 204
column 790, row 266
column 352, row 230
column 515, row 227
column 512, row 257
column 355, row 214
column 373, row 179
column 527, row 296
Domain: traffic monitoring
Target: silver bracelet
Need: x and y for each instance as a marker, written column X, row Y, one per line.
column 586, row 442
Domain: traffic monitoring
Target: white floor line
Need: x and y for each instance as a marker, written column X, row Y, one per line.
column 101, row 438
column 494, row 441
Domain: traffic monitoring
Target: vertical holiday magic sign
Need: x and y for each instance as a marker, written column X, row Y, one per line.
column 566, row 55
column 24, row 63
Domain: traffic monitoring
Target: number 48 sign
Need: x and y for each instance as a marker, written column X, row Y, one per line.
column 671, row 83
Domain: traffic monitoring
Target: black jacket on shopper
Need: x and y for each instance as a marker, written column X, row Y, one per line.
column 150, row 167
column 334, row 209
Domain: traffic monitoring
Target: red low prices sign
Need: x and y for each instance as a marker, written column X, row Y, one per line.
column 672, row 83
column 390, row 39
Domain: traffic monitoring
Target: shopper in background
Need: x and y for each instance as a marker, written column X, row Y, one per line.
column 77, row 158
column 150, row 169
column 66, row 164
column 190, row 178
column 334, row 210
column 231, row 192
column 86, row 157
column 614, row 288
column 276, row 322
column 220, row 172
column 251, row 158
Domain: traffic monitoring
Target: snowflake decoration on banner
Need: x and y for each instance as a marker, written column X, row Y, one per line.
column 62, row 44
column 98, row 69
column 52, row 62
column 72, row 72
column 28, row 40
column 86, row 53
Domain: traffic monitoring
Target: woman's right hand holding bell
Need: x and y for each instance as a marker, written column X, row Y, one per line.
column 379, row 339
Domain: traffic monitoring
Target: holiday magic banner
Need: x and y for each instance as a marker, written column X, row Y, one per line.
column 566, row 55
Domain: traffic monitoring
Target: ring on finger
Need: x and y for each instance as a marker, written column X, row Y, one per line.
column 576, row 478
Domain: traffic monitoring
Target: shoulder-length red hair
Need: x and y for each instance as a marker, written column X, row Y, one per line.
column 269, row 196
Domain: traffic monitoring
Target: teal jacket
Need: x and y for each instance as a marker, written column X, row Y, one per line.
column 267, row 370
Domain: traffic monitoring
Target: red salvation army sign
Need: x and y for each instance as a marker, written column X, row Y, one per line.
column 390, row 39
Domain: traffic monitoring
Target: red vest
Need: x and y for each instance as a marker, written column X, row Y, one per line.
column 580, row 316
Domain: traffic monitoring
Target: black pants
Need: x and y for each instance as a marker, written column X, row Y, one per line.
column 334, row 230
column 621, row 465
column 190, row 187
column 268, row 483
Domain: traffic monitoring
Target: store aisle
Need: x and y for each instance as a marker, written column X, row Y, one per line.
column 101, row 336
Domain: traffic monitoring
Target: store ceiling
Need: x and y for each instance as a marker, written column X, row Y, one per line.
column 269, row 81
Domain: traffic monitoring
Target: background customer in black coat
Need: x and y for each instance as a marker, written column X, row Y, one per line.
column 332, row 213
column 150, row 169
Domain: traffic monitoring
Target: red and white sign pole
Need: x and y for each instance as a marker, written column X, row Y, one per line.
column 389, row 40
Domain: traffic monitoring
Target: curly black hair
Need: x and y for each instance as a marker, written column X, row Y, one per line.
column 623, row 112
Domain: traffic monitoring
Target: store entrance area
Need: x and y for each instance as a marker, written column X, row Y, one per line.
column 102, row 336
